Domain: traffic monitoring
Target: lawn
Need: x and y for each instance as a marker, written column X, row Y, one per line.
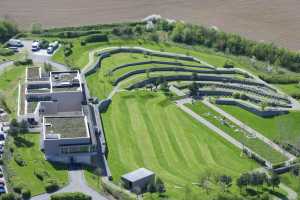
column 9, row 84
column 92, row 179
column 289, row 88
column 255, row 144
column 145, row 129
column 292, row 181
column 28, row 146
column 283, row 128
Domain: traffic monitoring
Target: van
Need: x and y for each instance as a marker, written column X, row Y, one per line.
column 15, row 43
column 35, row 46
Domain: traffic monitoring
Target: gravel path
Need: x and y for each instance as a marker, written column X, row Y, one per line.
column 250, row 130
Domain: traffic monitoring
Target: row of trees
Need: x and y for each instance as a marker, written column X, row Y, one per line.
column 233, row 43
column 258, row 179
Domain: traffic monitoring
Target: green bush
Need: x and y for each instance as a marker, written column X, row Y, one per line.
column 96, row 38
column 6, row 52
column 51, row 185
column 26, row 194
column 26, row 61
column 41, row 174
column 44, row 44
column 9, row 196
column 70, row 196
column 18, row 188
column 19, row 160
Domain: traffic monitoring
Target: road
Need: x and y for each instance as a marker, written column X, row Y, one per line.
column 77, row 184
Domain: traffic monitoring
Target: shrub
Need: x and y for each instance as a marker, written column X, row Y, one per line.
column 44, row 44
column 41, row 174
column 8, row 196
column 19, row 160
column 23, row 62
column 18, row 188
column 6, row 52
column 26, row 194
column 70, row 196
column 96, row 38
column 228, row 65
column 51, row 185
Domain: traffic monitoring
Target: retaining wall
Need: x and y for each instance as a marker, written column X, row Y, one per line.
column 252, row 109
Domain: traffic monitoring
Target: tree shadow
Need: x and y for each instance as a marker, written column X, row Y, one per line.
column 22, row 142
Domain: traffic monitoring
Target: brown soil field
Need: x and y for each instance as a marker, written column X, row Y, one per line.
column 275, row 21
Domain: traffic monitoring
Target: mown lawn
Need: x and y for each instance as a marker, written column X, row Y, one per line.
column 292, row 181
column 28, row 146
column 92, row 179
column 282, row 128
column 145, row 129
column 289, row 88
column 255, row 144
column 9, row 84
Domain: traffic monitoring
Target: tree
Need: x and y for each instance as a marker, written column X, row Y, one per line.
column 274, row 180
column 243, row 180
column 226, row 181
column 194, row 87
column 7, row 30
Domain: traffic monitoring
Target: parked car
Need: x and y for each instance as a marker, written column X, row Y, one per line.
column 1, row 148
column 35, row 46
column 2, row 189
column 52, row 47
column 15, row 43
column 50, row 50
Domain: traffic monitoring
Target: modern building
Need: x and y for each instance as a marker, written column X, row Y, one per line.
column 138, row 180
column 55, row 103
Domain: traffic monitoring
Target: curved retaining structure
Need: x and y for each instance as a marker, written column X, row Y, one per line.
column 160, row 63
column 169, row 69
column 191, row 78
column 252, row 109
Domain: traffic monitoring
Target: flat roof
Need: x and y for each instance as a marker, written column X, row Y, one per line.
column 137, row 174
column 64, row 77
column 66, row 126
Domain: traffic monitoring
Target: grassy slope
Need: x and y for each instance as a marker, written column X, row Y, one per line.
column 92, row 179
column 147, row 130
column 34, row 158
column 284, row 127
column 9, row 80
column 258, row 146
column 289, row 88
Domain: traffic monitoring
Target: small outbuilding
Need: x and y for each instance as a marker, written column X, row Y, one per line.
column 138, row 180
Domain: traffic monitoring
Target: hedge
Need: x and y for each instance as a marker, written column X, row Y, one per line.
column 70, row 196
column 6, row 52
column 96, row 38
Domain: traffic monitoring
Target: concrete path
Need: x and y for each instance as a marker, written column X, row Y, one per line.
column 77, row 184
column 250, row 130
column 203, row 121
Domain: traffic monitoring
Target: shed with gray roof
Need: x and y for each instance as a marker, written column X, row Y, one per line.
column 138, row 180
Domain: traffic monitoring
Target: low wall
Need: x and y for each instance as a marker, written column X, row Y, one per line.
column 161, row 63
column 252, row 109
column 191, row 78
column 170, row 69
